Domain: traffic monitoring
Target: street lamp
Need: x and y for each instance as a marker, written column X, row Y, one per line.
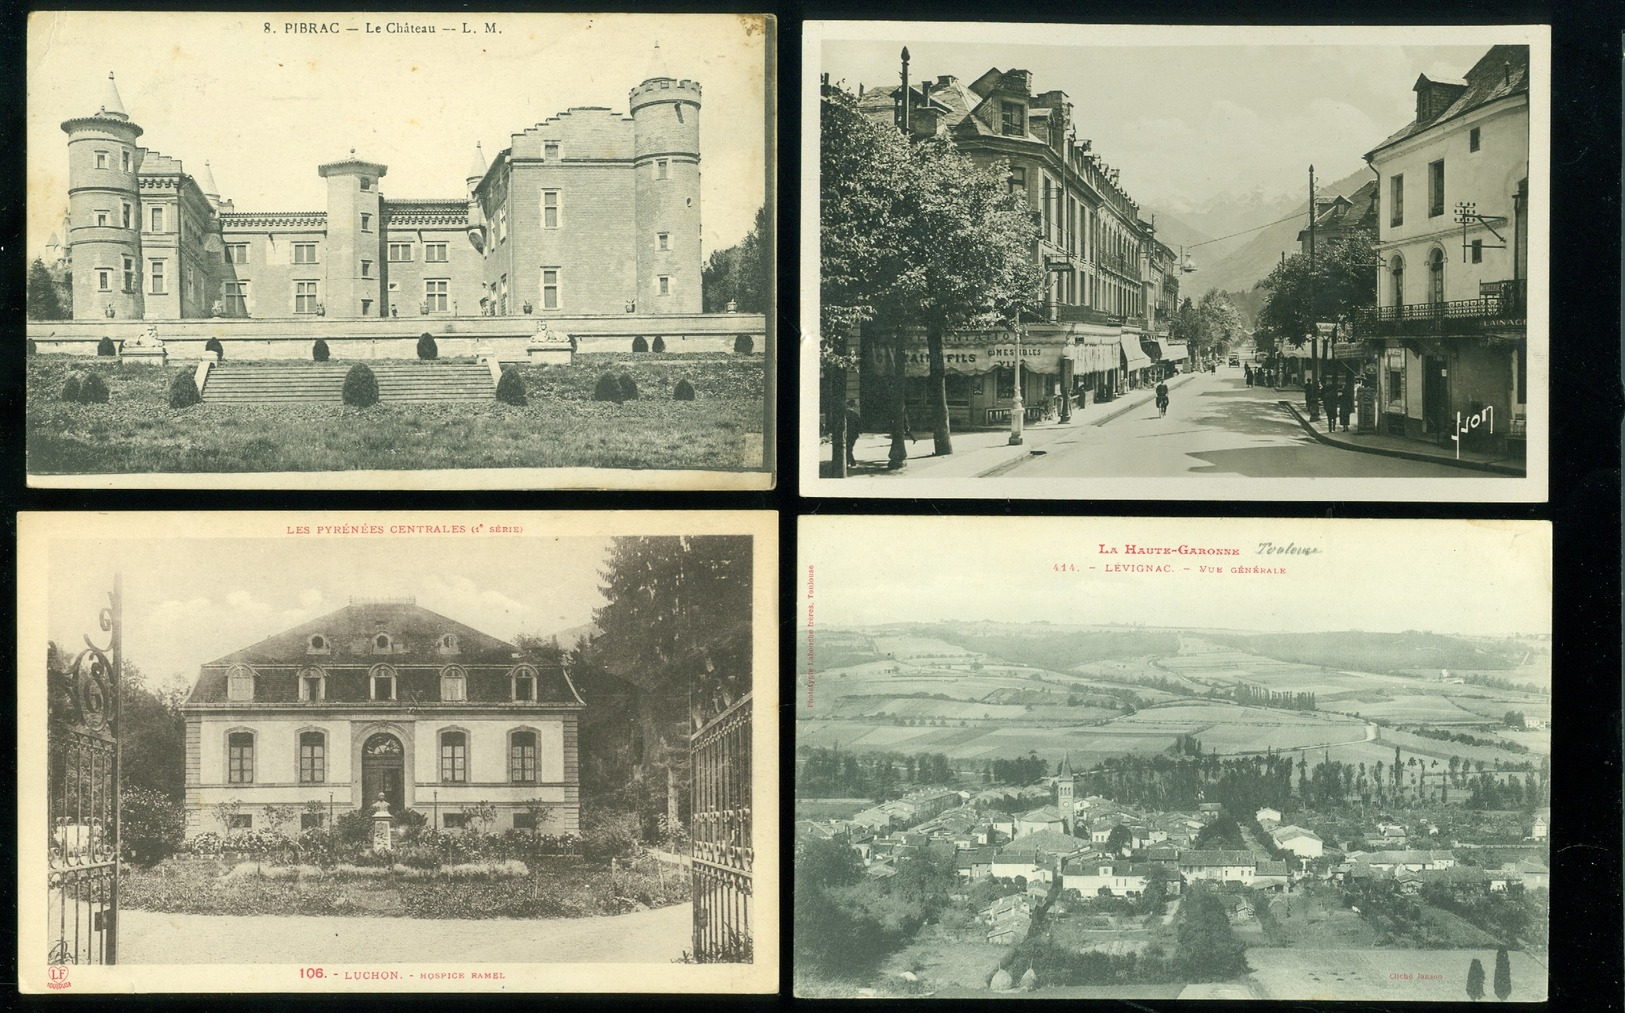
column 1018, row 409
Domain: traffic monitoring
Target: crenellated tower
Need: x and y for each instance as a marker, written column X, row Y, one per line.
column 104, row 210
column 666, row 164
column 353, row 263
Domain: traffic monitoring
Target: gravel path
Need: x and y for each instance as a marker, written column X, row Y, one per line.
column 649, row 937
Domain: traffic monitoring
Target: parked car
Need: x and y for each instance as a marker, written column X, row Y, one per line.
column 1235, row 361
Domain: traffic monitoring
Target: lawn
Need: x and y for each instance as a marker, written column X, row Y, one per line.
column 548, row 888
column 137, row 432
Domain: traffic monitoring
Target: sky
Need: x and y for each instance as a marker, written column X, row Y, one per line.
column 188, row 601
column 265, row 109
column 1216, row 114
column 1447, row 576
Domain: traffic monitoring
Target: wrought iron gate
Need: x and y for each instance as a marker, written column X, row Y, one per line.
column 83, row 796
column 721, row 822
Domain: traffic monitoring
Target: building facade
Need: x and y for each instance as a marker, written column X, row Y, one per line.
column 588, row 212
column 381, row 699
column 1453, row 200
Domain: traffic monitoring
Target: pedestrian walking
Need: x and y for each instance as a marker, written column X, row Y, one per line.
column 854, row 427
column 1162, row 398
column 1248, row 368
column 1311, row 397
column 1328, row 402
column 1345, row 406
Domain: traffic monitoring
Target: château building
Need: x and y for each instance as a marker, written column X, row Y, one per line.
column 381, row 698
column 591, row 211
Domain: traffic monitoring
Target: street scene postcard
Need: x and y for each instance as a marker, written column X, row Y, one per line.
column 440, row 251
column 398, row 752
column 1193, row 759
column 1193, row 262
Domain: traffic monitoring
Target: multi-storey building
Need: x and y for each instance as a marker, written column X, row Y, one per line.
column 1453, row 243
column 588, row 212
column 381, row 699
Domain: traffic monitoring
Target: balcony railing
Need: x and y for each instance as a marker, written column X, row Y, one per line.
column 1086, row 315
column 1499, row 304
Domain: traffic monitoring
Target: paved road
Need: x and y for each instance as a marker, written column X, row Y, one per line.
column 648, row 937
column 1216, row 426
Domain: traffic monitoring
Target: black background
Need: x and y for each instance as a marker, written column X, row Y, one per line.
column 1584, row 489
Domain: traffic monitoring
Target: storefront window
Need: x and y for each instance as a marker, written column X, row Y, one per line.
column 1005, row 379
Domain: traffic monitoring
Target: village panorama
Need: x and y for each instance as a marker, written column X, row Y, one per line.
column 1151, row 812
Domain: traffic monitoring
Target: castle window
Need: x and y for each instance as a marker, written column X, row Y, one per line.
column 366, row 270
column 522, row 757
column 381, row 682
column 522, row 684
column 550, row 151
column 312, row 757
column 366, row 183
column 431, row 252
column 101, row 159
column 304, row 297
column 436, row 293
column 104, row 279
column 402, row 252
column 240, row 757
column 550, row 210
column 236, row 254
column 550, row 289
column 156, row 275
column 101, row 217
column 125, row 153
column 240, row 684
column 304, row 254
column 502, row 223
column 662, row 169
column 157, row 219
column 366, row 222
column 453, row 757
column 127, row 215
column 665, row 285
column 366, row 308
column 1472, row 140
column 312, row 685
column 502, row 295
column 453, row 685
column 235, row 297
column 663, row 241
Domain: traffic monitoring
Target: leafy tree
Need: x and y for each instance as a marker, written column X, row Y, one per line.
column 151, row 825
column 742, row 273
column 44, row 301
column 1208, row 949
column 1343, row 279
column 1222, row 833
column 1475, row 980
column 1120, row 837
column 1503, row 974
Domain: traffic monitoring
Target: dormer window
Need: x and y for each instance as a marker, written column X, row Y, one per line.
column 318, row 644
column 240, row 684
column 312, row 684
column 448, row 644
column 382, row 643
column 522, row 684
column 453, row 684
column 1014, row 119
column 381, row 682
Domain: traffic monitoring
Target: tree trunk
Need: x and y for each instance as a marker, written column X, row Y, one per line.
column 899, row 407
column 941, row 434
column 835, row 407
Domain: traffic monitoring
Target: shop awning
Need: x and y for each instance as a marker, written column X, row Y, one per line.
column 1152, row 348
column 1133, row 356
column 1173, row 352
column 1092, row 356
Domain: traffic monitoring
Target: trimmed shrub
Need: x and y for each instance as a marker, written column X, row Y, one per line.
column 105, row 348
column 744, row 344
column 427, row 350
column 319, row 352
column 629, row 388
column 183, row 391
column 153, row 827
column 70, row 388
column 608, row 390
column 684, row 392
column 511, row 387
column 213, row 346
column 93, row 389
column 659, row 345
column 360, row 386
column 640, row 344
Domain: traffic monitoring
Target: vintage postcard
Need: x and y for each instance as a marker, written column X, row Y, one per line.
column 1194, row 759
column 1191, row 262
column 439, row 251
column 405, row 752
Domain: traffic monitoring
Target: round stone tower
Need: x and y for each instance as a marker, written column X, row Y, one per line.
column 666, row 161
column 104, row 211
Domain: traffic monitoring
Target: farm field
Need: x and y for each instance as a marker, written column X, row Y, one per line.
column 1424, row 976
column 1405, row 708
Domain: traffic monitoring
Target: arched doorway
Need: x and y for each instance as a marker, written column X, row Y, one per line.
column 383, row 770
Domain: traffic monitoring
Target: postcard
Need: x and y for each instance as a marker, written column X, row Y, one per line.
column 1194, row 759
column 1187, row 262
column 404, row 752
column 440, row 251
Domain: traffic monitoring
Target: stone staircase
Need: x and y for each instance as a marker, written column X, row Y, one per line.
column 433, row 381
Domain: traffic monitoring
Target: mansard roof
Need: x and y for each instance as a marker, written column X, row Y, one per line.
column 414, row 634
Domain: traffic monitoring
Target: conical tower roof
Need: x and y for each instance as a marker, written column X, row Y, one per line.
column 112, row 104
column 1066, row 765
column 476, row 169
column 659, row 67
column 205, row 182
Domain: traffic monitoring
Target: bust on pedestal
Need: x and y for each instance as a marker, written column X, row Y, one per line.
column 381, row 825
